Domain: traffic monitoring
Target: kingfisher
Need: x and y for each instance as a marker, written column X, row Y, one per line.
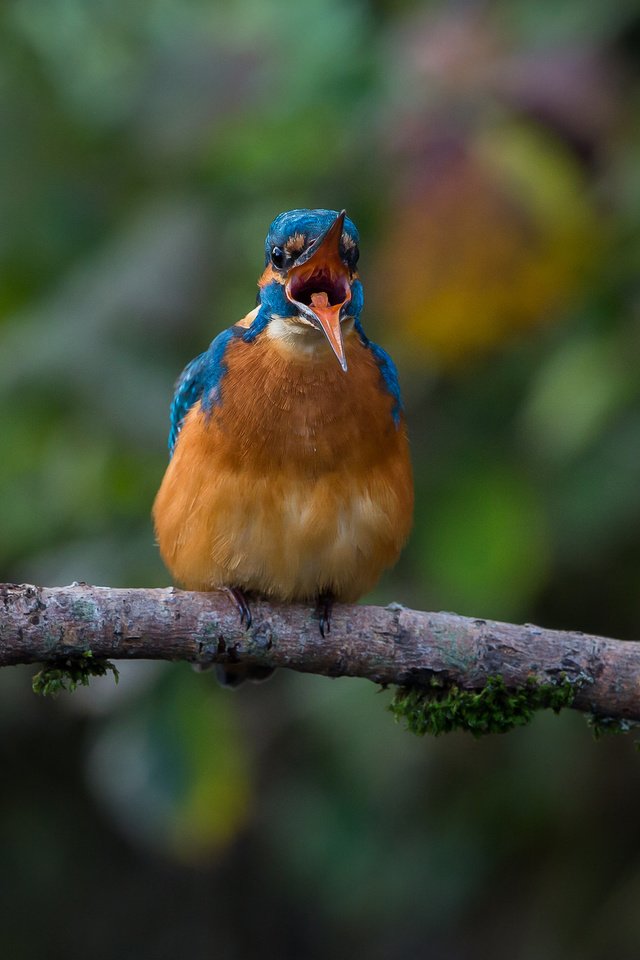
column 289, row 475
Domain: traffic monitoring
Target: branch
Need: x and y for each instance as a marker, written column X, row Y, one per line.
column 391, row 645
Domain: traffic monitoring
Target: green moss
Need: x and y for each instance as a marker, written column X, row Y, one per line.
column 71, row 672
column 492, row 709
column 603, row 726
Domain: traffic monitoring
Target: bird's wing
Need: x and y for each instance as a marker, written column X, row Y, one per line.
column 200, row 380
column 388, row 372
column 189, row 389
column 389, row 375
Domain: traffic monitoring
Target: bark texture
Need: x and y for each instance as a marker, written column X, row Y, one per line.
column 388, row 645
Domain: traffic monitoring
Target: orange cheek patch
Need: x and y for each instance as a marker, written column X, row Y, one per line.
column 269, row 275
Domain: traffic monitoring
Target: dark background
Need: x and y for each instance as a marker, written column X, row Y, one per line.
column 489, row 154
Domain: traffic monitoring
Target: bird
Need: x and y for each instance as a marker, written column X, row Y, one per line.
column 289, row 476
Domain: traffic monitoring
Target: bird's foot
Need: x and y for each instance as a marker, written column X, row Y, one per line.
column 241, row 604
column 324, row 607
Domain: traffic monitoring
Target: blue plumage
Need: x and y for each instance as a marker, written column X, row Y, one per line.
column 388, row 371
column 310, row 223
column 188, row 391
column 273, row 302
column 200, row 380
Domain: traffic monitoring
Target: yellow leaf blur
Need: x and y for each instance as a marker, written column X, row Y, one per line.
column 495, row 235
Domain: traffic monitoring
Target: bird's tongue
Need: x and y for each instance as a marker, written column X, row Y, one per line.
column 320, row 299
column 329, row 319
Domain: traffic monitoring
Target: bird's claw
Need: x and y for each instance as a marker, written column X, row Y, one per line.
column 324, row 607
column 241, row 604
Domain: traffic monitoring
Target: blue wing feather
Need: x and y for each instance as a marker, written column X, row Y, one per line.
column 388, row 372
column 200, row 380
column 189, row 387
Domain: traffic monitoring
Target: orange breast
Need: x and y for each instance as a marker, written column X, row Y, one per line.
column 298, row 482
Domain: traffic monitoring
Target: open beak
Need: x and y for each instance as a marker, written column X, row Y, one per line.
column 318, row 285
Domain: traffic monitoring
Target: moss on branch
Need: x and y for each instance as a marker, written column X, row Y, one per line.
column 495, row 708
column 68, row 674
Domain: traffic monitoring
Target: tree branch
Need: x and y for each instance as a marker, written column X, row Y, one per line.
column 390, row 645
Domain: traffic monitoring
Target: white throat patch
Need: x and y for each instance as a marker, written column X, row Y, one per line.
column 298, row 336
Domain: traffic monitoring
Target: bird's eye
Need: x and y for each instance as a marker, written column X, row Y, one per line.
column 277, row 257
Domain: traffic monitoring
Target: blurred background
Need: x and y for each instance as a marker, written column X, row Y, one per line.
column 489, row 154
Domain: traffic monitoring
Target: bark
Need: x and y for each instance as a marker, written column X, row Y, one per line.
column 388, row 645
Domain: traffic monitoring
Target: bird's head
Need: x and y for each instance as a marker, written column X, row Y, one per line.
column 310, row 283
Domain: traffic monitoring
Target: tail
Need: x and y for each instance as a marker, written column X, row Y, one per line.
column 230, row 675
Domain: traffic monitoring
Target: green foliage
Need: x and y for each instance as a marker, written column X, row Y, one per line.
column 604, row 726
column 67, row 675
column 487, row 544
column 493, row 709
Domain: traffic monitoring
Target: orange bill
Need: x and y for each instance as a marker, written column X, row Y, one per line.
column 318, row 284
